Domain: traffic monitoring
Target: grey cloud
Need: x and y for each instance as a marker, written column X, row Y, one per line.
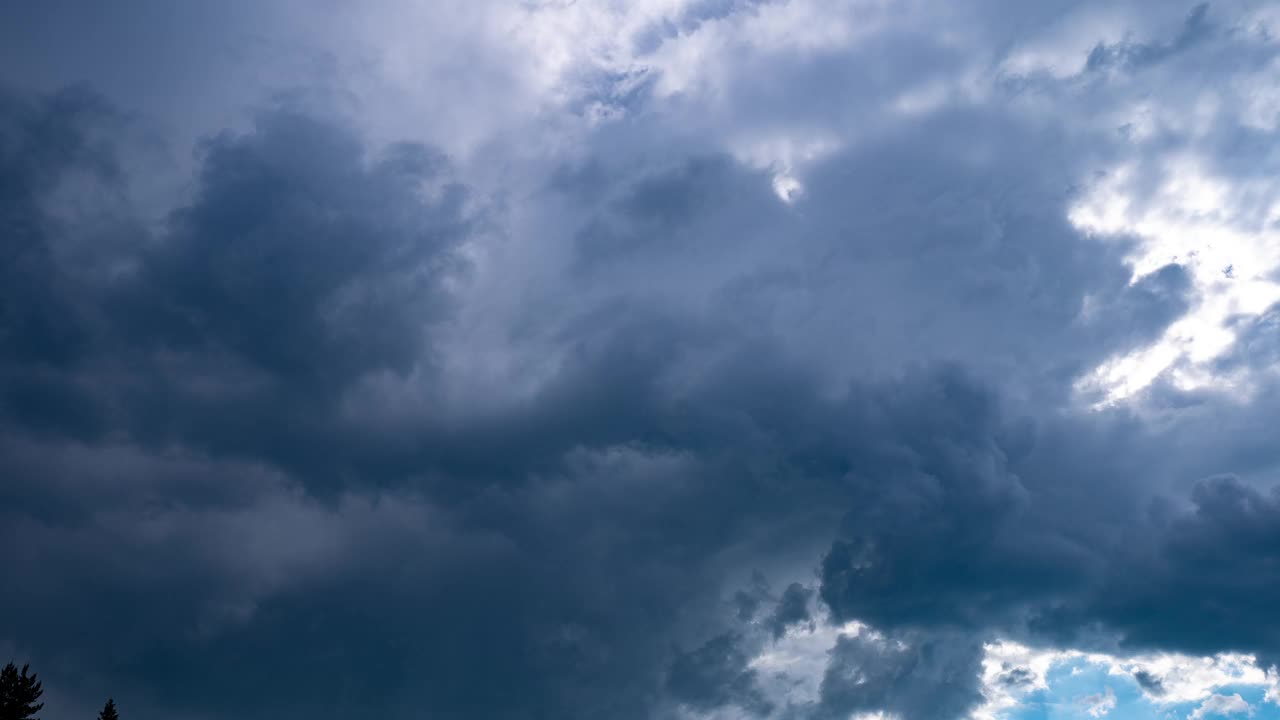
column 748, row 601
column 1258, row 345
column 715, row 675
column 1146, row 583
column 589, row 497
column 1213, row 558
column 44, row 322
column 721, row 381
column 1149, row 682
column 792, row 609
column 1131, row 55
column 911, row 677
column 1016, row 677
column 273, row 261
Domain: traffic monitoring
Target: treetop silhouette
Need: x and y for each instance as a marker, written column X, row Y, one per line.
column 19, row 692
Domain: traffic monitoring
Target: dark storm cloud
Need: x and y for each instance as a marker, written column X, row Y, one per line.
column 749, row 600
column 792, row 609
column 967, row 258
column 300, row 266
column 1002, row 562
column 217, row 520
column 664, row 212
column 299, row 258
column 43, row 324
column 590, row 544
column 303, row 264
column 1216, row 559
column 715, row 675
column 908, row 677
column 294, row 236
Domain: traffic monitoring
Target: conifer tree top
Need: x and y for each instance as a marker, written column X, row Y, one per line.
column 19, row 691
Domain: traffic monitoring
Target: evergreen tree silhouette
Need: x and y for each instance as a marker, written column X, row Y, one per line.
column 109, row 711
column 19, row 692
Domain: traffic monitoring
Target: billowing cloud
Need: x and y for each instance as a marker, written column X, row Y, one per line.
column 795, row 359
column 1222, row 705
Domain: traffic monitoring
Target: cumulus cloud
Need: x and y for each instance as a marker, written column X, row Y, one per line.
column 1099, row 704
column 1222, row 705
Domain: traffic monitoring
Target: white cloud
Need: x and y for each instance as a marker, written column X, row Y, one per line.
column 1183, row 678
column 1173, row 679
column 1099, row 704
column 1004, row 658
column 790, row 672
column 1190, row 219
column 1222, row 705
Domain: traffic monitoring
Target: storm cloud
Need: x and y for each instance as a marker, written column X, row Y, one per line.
column 571, row 360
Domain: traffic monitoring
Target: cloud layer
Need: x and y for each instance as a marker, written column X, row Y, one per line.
column 573, row 360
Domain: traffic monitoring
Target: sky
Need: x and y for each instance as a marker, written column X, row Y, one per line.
column 662, row 359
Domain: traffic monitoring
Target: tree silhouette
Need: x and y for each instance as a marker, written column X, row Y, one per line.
column 109, row 711
column 19, row 692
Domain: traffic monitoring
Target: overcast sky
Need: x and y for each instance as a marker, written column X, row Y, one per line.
column 662, row 359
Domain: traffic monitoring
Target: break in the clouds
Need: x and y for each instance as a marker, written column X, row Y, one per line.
column 799, row 359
